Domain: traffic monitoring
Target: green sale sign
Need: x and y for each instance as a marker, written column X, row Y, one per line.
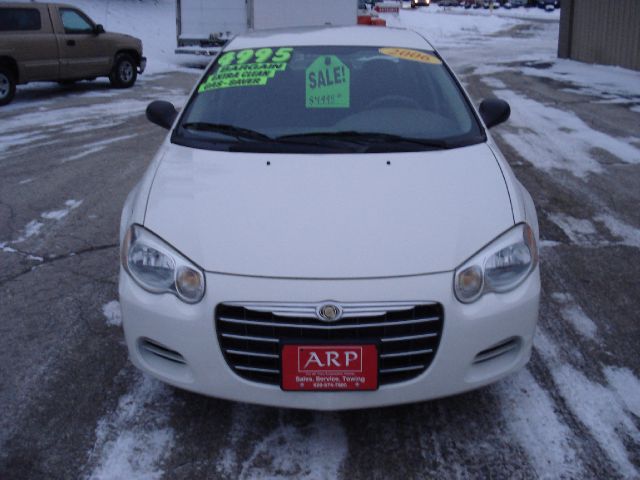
column 328, row 83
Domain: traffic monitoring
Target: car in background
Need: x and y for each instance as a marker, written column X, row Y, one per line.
column 58, row 42
column 420, row 3
column 329, row 225
column 549, row 5
column 364, row 7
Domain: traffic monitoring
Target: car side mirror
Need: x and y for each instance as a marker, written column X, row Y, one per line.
column 494, row 111
column 99, row 29
column 161, row 113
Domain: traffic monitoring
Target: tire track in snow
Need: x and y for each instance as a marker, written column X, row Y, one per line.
column 133, row 441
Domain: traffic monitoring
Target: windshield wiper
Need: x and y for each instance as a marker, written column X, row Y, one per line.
column 366, row 138
column 225, row 129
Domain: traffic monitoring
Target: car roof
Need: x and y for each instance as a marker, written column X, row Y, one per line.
column 357, row 35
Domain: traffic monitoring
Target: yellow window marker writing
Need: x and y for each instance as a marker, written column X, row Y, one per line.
column 413, row 55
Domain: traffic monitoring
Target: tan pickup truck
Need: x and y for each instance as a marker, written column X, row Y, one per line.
column 56, row 42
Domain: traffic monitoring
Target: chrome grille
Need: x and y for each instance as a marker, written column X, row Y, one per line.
column 407, row 335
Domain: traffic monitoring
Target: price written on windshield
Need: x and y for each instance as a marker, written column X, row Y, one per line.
column 328, row 83
column 247, row 68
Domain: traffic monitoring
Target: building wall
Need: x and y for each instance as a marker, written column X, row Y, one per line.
column 601, row 31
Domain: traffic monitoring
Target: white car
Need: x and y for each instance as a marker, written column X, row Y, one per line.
column 329, row 226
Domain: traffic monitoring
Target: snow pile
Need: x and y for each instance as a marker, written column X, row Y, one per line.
column 112, row 313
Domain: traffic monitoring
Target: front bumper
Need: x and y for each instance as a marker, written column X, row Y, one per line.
column 467, row 331
column 142, row 65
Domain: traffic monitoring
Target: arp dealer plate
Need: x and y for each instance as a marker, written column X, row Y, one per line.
column 329, row 367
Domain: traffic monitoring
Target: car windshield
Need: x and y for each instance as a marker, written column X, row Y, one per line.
column 344, row 99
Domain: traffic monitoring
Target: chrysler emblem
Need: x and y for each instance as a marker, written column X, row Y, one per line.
column 329, row 312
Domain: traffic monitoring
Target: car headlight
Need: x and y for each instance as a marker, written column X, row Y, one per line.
column 499, row 267
column 158, row 268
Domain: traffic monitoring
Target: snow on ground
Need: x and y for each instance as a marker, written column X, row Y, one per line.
column 134, row 440
column 584, row 232
column 580, row 231
column 610, row 84
column 520, row 13
column 627, row 386
column 63, row 212
column 34, row 227
column 56, row 125
column 112, row 313
column 30, row 229
column 615, row 83
column 570, row 147
column 530, row 415
column 312, row 452
column 599, row 407
column 443, row 28
column 315, row 450
column 572, row 313
column 628, row 234
column 95, row 147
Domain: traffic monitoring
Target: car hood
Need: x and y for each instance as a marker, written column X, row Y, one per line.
column 328, row 216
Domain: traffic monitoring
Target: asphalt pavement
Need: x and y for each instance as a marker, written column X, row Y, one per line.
column 72, row 406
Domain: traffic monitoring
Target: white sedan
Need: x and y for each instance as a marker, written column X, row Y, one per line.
column 329, row 225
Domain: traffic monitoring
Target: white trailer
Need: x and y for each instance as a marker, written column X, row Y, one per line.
column 204, row 26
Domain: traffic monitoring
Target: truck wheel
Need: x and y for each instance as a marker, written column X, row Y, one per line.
column 7, row 85
column 124, row 73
